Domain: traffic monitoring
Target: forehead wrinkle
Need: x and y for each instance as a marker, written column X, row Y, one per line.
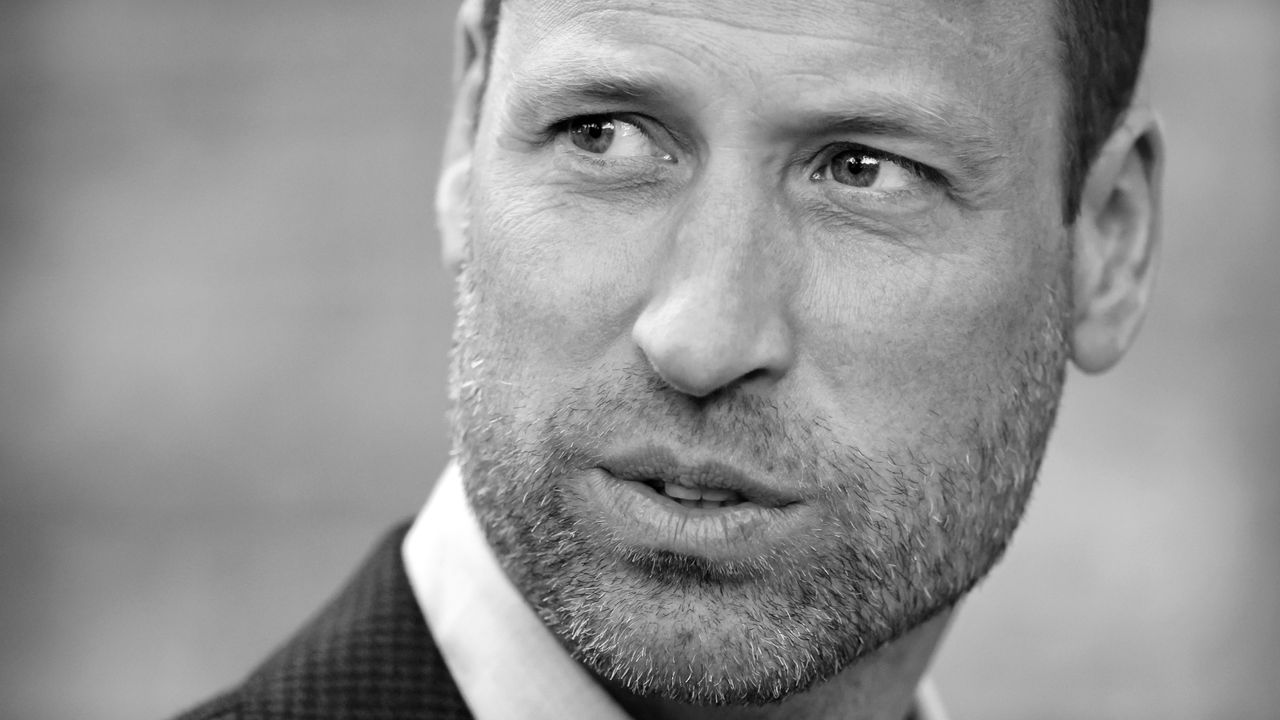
column 793, row 18
column 589, row 23
column 990, row 23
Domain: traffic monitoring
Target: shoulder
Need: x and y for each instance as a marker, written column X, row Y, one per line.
column 366, row 655
column 225, row 707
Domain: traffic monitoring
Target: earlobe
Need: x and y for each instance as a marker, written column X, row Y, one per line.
column 1116, row 237
column 453, row 186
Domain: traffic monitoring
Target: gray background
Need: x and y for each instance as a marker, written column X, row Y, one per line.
column 223, row 329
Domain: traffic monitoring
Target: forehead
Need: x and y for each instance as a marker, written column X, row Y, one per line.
column 996, row 56
column 976, row 33
column 819, row 18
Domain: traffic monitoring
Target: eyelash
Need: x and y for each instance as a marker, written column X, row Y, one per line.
column 823, row 158
column 560, row 127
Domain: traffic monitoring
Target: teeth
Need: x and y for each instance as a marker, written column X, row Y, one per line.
column 700, row 497
column 717, row 496
column 681, row 492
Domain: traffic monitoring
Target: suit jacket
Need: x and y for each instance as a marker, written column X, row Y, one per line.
column 366, row 656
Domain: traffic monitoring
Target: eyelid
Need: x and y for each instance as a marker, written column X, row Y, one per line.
column 652, row 129
column 919, row 169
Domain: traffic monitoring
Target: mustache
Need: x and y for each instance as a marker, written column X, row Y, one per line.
column 766, row 434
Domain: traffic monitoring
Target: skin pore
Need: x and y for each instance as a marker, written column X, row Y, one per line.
column 820, row 243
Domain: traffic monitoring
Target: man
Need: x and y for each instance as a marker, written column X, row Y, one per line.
column 764, row 312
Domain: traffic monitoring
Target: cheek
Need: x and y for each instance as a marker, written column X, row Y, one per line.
column 560, row 283
column 932, row 347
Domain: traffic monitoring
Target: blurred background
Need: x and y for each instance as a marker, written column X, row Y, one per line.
column 223, row 330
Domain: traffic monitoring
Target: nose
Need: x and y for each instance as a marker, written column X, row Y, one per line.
column 718, row 315
column 700, row 342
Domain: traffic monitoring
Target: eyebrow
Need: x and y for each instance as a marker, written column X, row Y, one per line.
column 960, row 132
column 561, row 89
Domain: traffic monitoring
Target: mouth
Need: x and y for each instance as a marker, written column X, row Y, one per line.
column 649, row 499
column 695, row 496
column 703, row 485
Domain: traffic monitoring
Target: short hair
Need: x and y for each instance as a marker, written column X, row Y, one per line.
column 1101, row 45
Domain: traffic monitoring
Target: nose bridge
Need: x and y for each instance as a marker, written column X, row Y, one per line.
column 726, row 231
column 717, row 313
column 724, row 222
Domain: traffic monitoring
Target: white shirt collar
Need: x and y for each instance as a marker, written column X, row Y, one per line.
column 503, row 659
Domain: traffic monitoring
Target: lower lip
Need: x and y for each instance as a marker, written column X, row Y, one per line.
column 641, row 517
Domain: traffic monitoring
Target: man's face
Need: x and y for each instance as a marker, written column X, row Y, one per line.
column 803, row 261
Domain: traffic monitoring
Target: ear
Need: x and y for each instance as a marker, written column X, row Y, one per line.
column 452, row 190
column 1116, row 237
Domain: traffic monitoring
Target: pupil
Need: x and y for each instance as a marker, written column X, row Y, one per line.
column 862, row 169
column 856, row 168
column 594, row 135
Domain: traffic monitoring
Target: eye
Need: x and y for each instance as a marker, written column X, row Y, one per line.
column 611, row 137
column 863, row 167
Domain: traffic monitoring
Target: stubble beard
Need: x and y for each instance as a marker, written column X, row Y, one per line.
column 905, row 533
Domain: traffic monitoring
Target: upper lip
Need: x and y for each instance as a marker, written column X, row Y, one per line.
column 657, row 464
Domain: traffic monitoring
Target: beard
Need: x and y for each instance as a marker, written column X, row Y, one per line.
column 904, row 531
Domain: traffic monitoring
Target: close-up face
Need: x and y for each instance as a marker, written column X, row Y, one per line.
column 762, row 323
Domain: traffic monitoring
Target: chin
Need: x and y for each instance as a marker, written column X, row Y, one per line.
column 699, row 649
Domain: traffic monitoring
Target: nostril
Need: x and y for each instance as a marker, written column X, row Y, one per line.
column 756, row 374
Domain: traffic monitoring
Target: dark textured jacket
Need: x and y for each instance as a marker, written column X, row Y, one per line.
column 366, row 656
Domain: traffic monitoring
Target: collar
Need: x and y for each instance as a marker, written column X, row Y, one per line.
column 503, row 659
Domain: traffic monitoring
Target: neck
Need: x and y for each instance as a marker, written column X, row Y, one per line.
column 880, row 686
